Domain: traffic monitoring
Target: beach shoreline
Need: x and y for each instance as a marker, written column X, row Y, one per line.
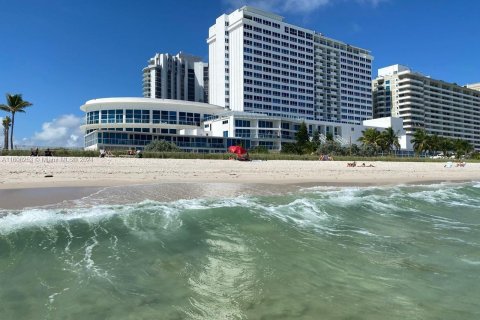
column 64, row 180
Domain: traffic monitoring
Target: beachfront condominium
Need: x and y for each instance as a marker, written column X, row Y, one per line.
column 441, row 108
column 261, row 64
column 180, row 77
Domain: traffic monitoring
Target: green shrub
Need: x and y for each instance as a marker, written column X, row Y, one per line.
column 161, row 146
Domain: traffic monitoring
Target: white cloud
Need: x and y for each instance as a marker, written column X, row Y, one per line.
column 63, row 131
column 292, row 6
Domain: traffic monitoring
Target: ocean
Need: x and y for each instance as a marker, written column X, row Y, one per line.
column 404, row 252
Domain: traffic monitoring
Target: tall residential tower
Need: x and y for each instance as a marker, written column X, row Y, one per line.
column 441, row 108
column 259, row 63
column 180, row 77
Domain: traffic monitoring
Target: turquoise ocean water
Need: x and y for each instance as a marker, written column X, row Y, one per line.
column 406, row 252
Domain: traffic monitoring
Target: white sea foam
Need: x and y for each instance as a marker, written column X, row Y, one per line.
column 51, row 298
column 45, row 218
column 470, row 262
column 450, row 196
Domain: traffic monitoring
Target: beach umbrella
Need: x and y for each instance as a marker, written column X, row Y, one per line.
column 237, row 150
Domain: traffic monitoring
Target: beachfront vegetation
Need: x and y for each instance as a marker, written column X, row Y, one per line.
column 303, row 144
column 259, row 149
column 15, row 104
column 162, row 146
column 431, row 144
column 302, row 138
column 420, row 141
column 375, row 141
column 6, row 123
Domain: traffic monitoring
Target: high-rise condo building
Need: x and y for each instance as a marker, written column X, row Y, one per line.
column 259, row 63
column 180, row 77
column 441, row 108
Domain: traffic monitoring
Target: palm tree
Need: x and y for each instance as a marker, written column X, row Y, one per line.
column 6, row 127
column 389, row 140
column 462, row 147
column 433, row 144
column 445, row 145
column 370, row 136
column 15, row 104
column 420, row 141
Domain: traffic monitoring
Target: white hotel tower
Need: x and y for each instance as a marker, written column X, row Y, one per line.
column 258, row 63
column 441, row 108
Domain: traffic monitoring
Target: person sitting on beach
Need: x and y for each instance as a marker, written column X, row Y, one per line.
column 363, row 165
column 48, row 153
column 102, row 153
column 34, row 153
column 351, row 164
column 109, row 154
column 130, row 152
column 461, row 164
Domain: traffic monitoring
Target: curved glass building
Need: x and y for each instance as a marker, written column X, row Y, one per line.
column 125, row 123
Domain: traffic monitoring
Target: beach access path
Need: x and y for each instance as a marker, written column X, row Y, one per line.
column 39, row 172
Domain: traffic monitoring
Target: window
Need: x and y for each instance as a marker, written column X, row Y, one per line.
column 137, row 116
column 242, row 123
column 265, row 124
column 92, row 117
column 189, row 118
column 111, row 116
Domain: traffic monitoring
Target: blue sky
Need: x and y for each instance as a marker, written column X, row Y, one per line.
column 59, row 54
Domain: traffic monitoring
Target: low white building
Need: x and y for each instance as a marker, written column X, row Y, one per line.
column 271, row 132
column 124, row 123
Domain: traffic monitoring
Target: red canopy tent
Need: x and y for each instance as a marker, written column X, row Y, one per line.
column 237, row 150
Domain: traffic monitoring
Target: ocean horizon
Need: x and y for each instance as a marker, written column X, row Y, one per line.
column 313, row 252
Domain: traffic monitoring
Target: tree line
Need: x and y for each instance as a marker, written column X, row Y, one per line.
column 373, row 142
column 15, row 104
column 432, row 144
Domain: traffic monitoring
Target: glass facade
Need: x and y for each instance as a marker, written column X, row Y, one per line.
column 143, row 116
column 186, row 143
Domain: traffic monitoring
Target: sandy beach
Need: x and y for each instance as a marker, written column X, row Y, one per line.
column 40, row 172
